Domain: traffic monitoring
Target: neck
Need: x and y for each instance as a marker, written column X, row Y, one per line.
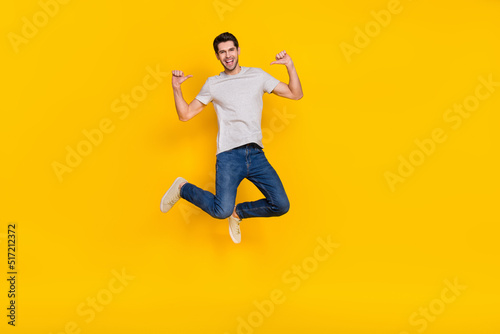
column 236, row 70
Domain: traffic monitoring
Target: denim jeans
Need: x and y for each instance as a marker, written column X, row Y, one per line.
column 247, row 161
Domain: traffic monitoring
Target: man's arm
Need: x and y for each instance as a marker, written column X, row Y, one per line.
column 294, row 89
column 185, row 111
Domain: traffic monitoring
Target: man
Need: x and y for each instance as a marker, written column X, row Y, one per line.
column 237, row 97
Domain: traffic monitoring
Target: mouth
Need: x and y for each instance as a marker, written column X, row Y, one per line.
column 229, row 62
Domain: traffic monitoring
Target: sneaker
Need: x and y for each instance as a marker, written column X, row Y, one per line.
column 172, row 195
column 234, row 229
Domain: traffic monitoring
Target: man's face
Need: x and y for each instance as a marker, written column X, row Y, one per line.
column 228, row 55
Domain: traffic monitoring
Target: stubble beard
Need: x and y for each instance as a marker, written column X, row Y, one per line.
column 236, row 63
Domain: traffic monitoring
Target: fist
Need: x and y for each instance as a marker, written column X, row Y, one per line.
column 178, row 78
column 282, row 58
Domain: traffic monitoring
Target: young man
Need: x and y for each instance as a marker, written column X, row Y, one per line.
column 237, row 97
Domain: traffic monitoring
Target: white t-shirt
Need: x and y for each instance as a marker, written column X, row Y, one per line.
column 238, row 103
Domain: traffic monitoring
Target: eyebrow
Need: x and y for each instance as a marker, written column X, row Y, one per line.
column 230, row 49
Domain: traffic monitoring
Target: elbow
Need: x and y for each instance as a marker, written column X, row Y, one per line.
column 298, row 96
column 184, row 117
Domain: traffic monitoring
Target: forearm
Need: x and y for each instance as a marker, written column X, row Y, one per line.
column 294, row 81
column 181, row 105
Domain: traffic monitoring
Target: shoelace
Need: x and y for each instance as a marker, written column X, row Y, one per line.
column 173, row 200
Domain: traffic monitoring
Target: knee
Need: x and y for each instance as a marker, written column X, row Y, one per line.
column 282, row 207
column 222, row 213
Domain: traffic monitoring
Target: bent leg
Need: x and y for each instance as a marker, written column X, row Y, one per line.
column 265, row 178
column 228, row 176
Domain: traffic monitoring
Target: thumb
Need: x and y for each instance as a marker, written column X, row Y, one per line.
column 189, row 76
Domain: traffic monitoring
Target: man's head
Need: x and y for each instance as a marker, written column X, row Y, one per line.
column 227, row 50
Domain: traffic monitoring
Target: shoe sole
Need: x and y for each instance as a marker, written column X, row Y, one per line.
column 173, row 185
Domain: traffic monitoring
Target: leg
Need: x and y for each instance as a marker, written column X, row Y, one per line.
column 229, row 174
column 265, row 178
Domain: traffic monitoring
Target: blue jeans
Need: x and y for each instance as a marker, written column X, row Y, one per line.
column 247, row 161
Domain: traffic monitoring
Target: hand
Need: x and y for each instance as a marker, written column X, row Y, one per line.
column 178, row 78
column 283, row 58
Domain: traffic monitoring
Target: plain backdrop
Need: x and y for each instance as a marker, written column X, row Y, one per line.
column 90, row 141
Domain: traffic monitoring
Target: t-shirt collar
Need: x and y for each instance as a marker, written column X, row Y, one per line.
column 223, row 74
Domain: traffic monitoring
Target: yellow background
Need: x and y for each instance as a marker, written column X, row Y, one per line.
column 396, row 248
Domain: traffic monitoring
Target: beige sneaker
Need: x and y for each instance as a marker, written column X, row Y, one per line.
column 234, row 229
column 172, row 195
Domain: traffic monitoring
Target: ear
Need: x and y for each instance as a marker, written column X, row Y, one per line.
column 239, row 50
column 217, row 55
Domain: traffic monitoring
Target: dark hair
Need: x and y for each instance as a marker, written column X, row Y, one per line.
column 224, row 37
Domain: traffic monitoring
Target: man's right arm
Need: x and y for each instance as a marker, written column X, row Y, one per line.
column 185, row 111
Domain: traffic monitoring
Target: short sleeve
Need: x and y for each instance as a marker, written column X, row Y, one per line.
column 270, row 82
column 204, row 96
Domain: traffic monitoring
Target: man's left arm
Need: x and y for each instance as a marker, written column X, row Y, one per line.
column 294, row 89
